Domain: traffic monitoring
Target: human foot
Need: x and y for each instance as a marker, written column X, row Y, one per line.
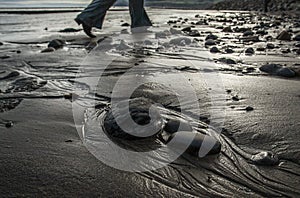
column 86, row 28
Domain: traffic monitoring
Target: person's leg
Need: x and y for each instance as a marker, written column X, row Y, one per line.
column 93, row 15
column 139, row 17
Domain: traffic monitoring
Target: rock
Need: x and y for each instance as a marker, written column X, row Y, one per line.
column 235, row 98
column 229, row 51
column 297, row 37
column 68, row 30
column 56, row 43
column 227, row 60
column 270, row 68
column 265, row 158
column 187, row 29
column 250, row 39
column 1, row 43
column 5, row 56
column 298, row 51
column 248, row 33
column 9, row 124
column 69, row 141
column 125, row 25
column 261, row 32
column 284, row 36
column 133, row 124
column 175, row 125
column 249, row 108
column 194, row 33
column 174, row 31
column 49, row 49
column 297, row 45
column 285, row 50
column 179, row 140
column 211, row 36
column 179, row 41
column 249, row 51
column 260, row 49
column 286, row 72
column 214, row 50
column 210, row 42
column 270, row 46
column 11, row 75
column 227, row 29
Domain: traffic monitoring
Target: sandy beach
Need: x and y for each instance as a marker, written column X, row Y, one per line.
column 243, row 68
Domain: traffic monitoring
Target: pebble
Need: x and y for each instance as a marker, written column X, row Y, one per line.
column 56, row 43
column 186, row 29
column 227, row 61
column 5, row 57
column 249, row 50
column 270, row 68
column 194, row 33
column 1, row 43
column 211, row 36
column 265, row 158
column 249, row 108
column 235, row 98
column 175, row 125
column 229, row 51
column 9, row 124
column 227, row 29
column 66, row 30
column 284, row 36
column 270, row 46
column 49, row 49
column 125, row 25
column 248, row 33
column 214, row 50
column 210, row 42
column 297, row 37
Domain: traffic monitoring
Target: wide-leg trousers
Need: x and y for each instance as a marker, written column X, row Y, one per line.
column 94, row 14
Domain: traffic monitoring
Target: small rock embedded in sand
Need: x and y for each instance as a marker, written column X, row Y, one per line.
column 284, row 36
column 194, row 33
column 49, row 49
column 297, row 37
column 249, row 108
column 69, row 141
column 227, row 29
column 227, row 61
column 174, row 31
column 270, row 46
column 180, row 40
column 235, row 98
column 278, row 70
column 1, row 43
column 248, row 33
column 249, row 50
column 265, row 158
column 56, row 43
column 69, row 30
column 210, row 42
column 125, row 25
column 214, row 50
column 180, row 139
column 211, row 36
column 297, row 45
column 187, row 29
column 270, row 68
column 9, row 124
column 229, row 51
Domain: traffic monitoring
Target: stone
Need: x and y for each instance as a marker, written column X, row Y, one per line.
column 284, row 36
column 270, row 46
column 187, row 29
column 210, row 42
column 227, row 29
column 5, row 56
column 286, row 72
column 56, row 43
column 297, row 37
column 194, row 33
column 214, row 50
column 49, row 49
column 227, row 60
column 265, row 158
column 248, row 33
column 125, row 25
column 9, row 124
column 69, row 30
column 229, row 51
column 270, row 68
column 249, row 108
column 1, row 43
column 175, row 125
column 249, row 51
column 261, row 32
column 211, row 36
column 179, row 141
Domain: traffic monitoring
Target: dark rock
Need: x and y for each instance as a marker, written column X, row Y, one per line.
column 284, row 36
column 249, row 108
column 194, row 33
column 214, row 50
column 125, row 25
column 270, row 46
column 173, row 126
column 69, row 141
column 1, row 43
column 210, row 42
column 9, row 124
column 286, row 50
column 56, row 43
column 261, row 32
column 270, row 68
column 297, row 45
column 178, row 142
column 248, row 33
column 249, row 51
column 229, row 51
column 49, row 49
column 227, row 29
column 265, row 158
column 186, row 29
column 19, row 51
column 5, row 56
column 235, row 98
column 297, row 37
column 286, row 72
column 227, row 61
column 10, row 75
column 261, row 49
column 211, row 36
column 250, row 39
column 69, row 30
column 298, row 51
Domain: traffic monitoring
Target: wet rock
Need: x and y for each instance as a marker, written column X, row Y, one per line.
column 297, row 37
column 227, row 60
column 249, row 108
column 286, row 72
column 265, row 158
column 211, row 36
column 56, row 43
column 179, row 140
column 214, row 50
column 270, row 46
column 270, row 68
column 69, row 30
column 260, row 49
column 1, row 43
column 227, row 29
column 194, row 33
column 249, row 51
column 285, row 50
column 297, row 45
column 229, row 51
column 284, row 36
column 235, row 98
column 9, row 124
column 261, row 32
column 175, row 125
column 248, row 33
column 125, row 25
column 210, row 42
column 250, row 39
column 49, row 49
column 118, row 123
column 187, row 29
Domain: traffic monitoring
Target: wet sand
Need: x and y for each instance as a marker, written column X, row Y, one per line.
column 42, row 153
